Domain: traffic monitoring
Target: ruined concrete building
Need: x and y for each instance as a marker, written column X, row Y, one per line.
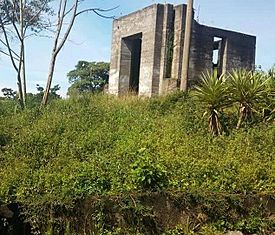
column 147, row 51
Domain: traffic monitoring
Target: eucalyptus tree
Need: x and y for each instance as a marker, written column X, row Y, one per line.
column 18, row 20
column 67, row 12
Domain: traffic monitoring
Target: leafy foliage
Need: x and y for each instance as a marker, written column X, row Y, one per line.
column 268, row 104
column 33, row 100
column 9, row 93
column 88, row 77
column 253, row 93
column 147, row 174
column 53, row 92
column 34, row 13
column 105, row 135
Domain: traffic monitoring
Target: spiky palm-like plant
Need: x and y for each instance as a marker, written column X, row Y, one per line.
column 271, row 72
column 268, row 104
column 212, row 93
column 247, row 89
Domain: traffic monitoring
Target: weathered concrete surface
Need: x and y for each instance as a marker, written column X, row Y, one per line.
column 238, row 50
column 161, row 30
column 145, row 22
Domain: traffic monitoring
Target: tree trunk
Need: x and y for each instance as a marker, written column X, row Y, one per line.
column 58, row 46
column 22, row 54
column 17, row 68
column 241, row 117
column 23, row 75
column 49, row 80
column 20, row 93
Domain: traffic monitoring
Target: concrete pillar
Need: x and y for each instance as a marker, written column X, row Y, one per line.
column 179, row 26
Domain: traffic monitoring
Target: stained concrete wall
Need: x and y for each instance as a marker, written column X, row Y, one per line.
column 179, row 26
column 159, row 24
column 148, row 22
column 238, row 50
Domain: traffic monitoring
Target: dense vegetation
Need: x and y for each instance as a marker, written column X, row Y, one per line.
column 88, row 77
column 101, row 145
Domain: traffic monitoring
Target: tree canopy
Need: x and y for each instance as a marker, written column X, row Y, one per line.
column 33, row 12
column 17, row 19
column 88, row 77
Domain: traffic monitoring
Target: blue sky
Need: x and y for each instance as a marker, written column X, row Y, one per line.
column 91, row 36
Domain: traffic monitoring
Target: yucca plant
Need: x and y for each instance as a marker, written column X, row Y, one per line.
column 268, row 104
column 271, row 72
column 212, row 93
column 247, row 89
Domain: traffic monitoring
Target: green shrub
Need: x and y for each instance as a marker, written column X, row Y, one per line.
column 147, row 173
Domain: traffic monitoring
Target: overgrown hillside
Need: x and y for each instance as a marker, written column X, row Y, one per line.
column 105, row 146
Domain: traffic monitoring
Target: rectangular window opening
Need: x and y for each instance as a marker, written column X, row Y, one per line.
column 217, row 57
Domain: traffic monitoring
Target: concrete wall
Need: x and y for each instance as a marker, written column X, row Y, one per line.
column 179, row 30
column 143, row 21
column 159, row 25
column 149, row 22
column 238, row 50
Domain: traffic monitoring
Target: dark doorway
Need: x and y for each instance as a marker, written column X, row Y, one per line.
column 130, row 61
column 135, row 65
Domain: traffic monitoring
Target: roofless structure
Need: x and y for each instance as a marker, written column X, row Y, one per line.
column 147, row 51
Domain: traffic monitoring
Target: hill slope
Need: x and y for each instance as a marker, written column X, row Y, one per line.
column 101, row 145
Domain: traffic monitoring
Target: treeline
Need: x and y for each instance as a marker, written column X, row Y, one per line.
column 87, row 77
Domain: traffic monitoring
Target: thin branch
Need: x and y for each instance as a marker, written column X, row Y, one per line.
column 7, row 54
column 103, row 16
column 69, row 28
column 59, row 9
column 12, row 21
column 61, row 15
column 1, row 41
column 36, row 15
column 68, row 12
column 39, row 35
column 8, row 45
column 76, row 43
column 97, row 10
column 14, row 7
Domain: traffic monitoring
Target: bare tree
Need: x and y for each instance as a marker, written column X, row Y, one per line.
column 66, row 12
column 17, row 17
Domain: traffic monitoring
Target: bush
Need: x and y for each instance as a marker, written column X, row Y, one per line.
column 147, row 173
